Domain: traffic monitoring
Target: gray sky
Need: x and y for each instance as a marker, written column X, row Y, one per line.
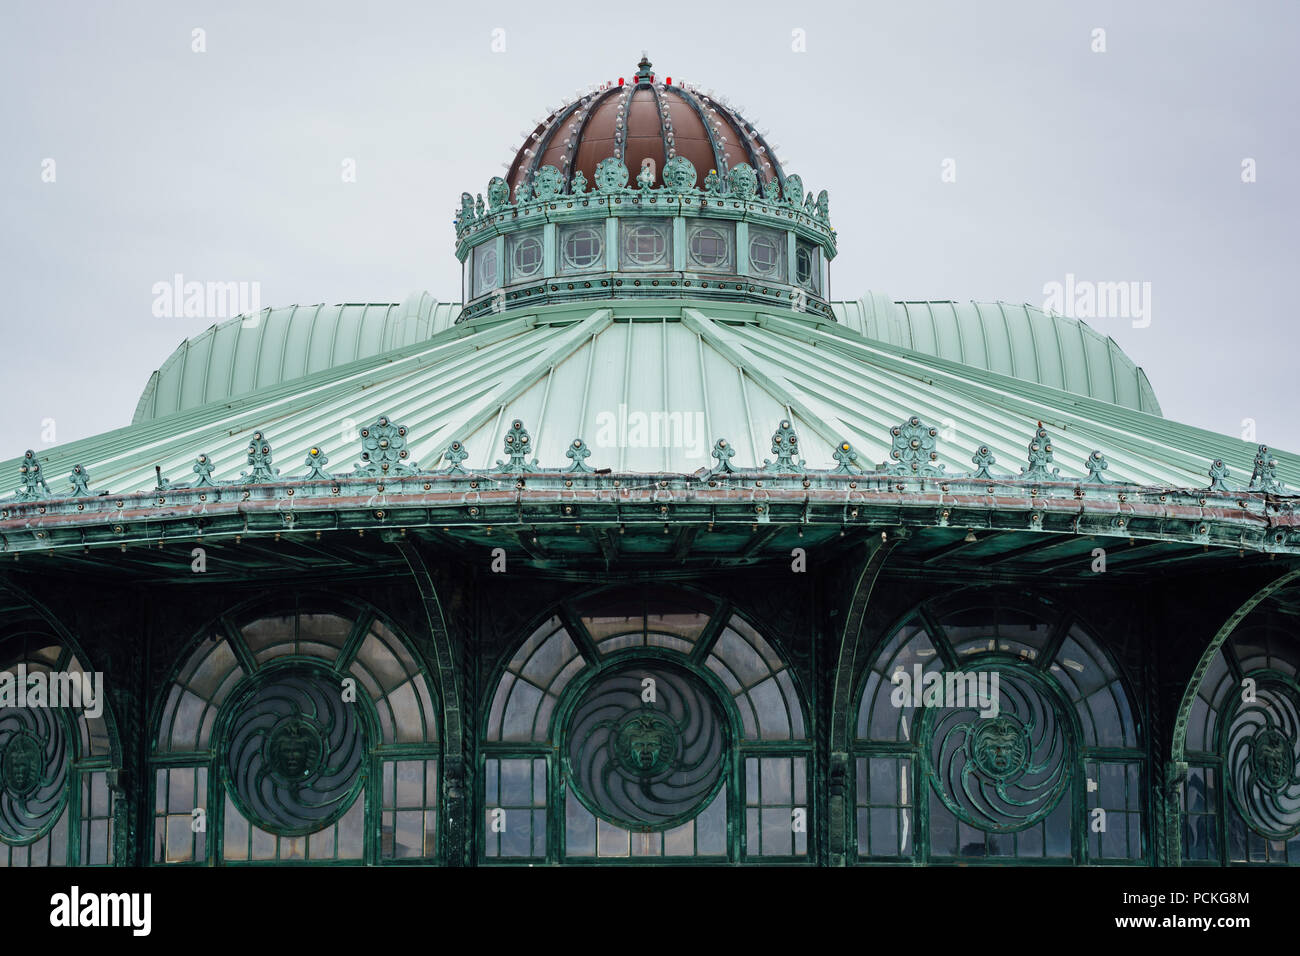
column 1123, row 165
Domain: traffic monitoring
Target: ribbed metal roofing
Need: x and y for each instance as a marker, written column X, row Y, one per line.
column 1016, row 340
column 729, row 371
column 266, row 348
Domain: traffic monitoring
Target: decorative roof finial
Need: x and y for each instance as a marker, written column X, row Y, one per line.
column 643, row 72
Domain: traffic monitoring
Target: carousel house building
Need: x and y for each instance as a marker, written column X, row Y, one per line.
column 649, row 550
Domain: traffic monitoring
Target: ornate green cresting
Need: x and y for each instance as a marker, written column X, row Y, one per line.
column 848, row 460
column 1040, row 456
column 316, row 461
column 983, row 460
column 1218, row 476
column 33, row 486
column 454, row 455
column 383, row 450
column 1095, row 463
column 578, row 453
column 913, row 450
column 259, row 456
column 1264, row 477
column 785, row 445
column 203, row 469
column 518, row 443
column 80, row 480
column 723, row 452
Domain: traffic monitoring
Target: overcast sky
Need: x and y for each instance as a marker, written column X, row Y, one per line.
column 226, row 165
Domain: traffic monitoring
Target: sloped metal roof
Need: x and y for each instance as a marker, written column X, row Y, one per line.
column 1017, row 340
column 733, row 372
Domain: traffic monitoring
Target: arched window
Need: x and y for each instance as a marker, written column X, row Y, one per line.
column 1240, row 800
column 997, row 731
column 645, row 723
column 58, row 757
column 291, row 737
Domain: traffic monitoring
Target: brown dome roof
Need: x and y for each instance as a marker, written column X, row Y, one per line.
column 661, row 120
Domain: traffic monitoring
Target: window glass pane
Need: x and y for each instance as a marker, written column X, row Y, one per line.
column 644, row 244
column 710, row 246
column 767, row 253
column 581, row 248
column 524, row 254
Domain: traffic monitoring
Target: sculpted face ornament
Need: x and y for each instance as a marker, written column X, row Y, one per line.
column 999, row 746
column 20, row 767
column 294, row 750
column 1272, row 758
column 647, row 743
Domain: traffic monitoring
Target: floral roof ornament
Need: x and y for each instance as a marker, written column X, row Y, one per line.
column 983, row 460
column 203, row 468
column 33, row 485
column 383, row 450
column 578, row 453
column 80, row 480
column 723, row 452
column 1095, row 463
column 259, row 456
column 913, row 450
column 518, row 443
column 1264, row 477
column 454, row 455
column 847, row 458
column 316, row 461
column 785, row 444
column 1218, row 476
column 1040, row 456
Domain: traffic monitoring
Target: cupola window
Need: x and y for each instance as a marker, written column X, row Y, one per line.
column 645, row 245
column 710, row 247
column 524, row 253
column 485, row 269
column 582, row 247
column 767, row 253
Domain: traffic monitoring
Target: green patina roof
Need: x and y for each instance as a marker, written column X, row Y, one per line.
column 559, row 368
column 242, row 355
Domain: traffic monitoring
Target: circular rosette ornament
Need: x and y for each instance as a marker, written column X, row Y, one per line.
column 296, row 752
column 680, row 175
column 1005, row 771
column 611, row 175
column 1263, row 758
column 646, row 746
column 34, row 761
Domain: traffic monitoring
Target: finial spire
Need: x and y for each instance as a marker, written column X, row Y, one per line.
column 644, row 73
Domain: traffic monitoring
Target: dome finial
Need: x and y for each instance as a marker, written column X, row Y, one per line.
column 643, row 71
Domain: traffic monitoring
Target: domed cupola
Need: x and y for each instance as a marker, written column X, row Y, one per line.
column 640, row 190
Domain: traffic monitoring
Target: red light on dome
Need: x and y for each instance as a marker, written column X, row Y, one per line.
column 620, row 81
column 668, row 81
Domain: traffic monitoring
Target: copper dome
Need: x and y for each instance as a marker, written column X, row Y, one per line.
column 660, row 119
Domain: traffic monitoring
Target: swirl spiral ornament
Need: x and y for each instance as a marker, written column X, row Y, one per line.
column 296, row 752
column 1003, row 772
column 646, row 764
column 34, row 761
column 1263, row 759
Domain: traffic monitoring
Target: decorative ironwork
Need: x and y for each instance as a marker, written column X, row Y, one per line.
column 1264, row 477
column 1095, row 463
column 714, row 185
column 203, row 468
column 35, row 755
column 33, row 485
column 578, row 453
column 611, row 176
column 1218, row 476
column 1003, row 772
column 1263, row 759
column 518, row 443
column 259, row 456
column 316, row 461
column 983, row 460
column 847, row 458
column 296, row 752
column 785, row 445
column 548, row 182
column 383, row 450
column 793, row 190
column 679, row 175
column 742, row 182
column 498, row 193
column 80, row 480
column 646, row 764
column 913, row 449
column 723, row 452
column 579, row 185
column 1040, row 456
column 454, row 455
